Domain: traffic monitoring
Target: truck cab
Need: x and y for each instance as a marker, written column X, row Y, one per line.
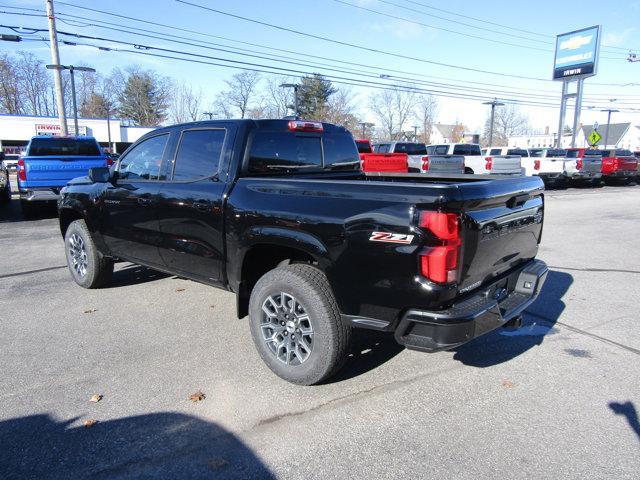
column 477, row 163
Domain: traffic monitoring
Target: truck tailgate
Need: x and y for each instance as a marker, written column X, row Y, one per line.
column 57, row 171
column 501, row 227
column 445, row 163
column 551, row 165
column 506, row 164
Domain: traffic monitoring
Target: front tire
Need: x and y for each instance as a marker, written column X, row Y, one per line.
column 88, row 267
column 296, row 325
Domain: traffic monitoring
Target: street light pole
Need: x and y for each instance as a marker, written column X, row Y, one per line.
column 295, row 87
column 606, row 132
column 208, row 114
column 57, row 76
column 494, row 103
column 415, row 133
column 71, row 69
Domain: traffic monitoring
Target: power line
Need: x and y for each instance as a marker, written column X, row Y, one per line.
column 143, row 50
column 277, row 49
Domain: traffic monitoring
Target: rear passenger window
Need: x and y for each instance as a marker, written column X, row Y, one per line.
column 276, row 151
column 442, row 149
column 495, row 151
column 383, row 148
column 198, row 154
column 143, row 161
column 466, row 149
column 340, row 152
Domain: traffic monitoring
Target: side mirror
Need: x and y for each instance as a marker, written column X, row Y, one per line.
column 100, row 175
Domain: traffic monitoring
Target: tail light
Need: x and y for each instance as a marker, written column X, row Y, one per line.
column 22, row 171
column 302, row 126
column 616, row 164
column 425, row 164
column 439, row 263
column 109, row 161
column 489, row 164
column 579, row 164
column 536, row 164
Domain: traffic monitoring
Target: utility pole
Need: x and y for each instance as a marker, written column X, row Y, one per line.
column 364, row 126
column 415, row 133
column 208, row 114
column 295, row 87
column 606, row 132
column 57, row 76
column 494, row 103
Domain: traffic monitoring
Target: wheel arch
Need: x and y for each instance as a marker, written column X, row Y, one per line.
column 267, row 249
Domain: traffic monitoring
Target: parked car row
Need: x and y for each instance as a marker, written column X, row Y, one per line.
column 556, row 167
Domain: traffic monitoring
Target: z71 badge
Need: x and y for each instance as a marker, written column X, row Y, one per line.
column 391, row 237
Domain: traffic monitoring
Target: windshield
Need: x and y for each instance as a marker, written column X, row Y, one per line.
column 411, row 148
column 57, row 147
column 624, row 153
column 536, row 152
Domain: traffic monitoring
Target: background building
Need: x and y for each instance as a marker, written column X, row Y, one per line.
column 17, row 130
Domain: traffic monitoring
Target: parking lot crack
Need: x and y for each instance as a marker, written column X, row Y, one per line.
column 29, row 272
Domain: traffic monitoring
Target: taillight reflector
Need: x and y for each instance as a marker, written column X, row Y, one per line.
column 536, row 164
column 579, row 164
column 425, row 164
column 439, row 263
column 109, row 161
column 304, row 126
column 489, row 164
column 22, row 171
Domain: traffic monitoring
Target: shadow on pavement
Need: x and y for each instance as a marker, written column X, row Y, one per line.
column 503, row 345
column 12, row 212
column 369, row 350
column 628, row 410
column 160, row 445
column 134, row 275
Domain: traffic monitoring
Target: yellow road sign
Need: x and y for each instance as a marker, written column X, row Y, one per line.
column 594, row 138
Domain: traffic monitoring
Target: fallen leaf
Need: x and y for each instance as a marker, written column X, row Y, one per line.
column 95, row 398
column 91, row 310
column 197, row 397
column 179, row 289
column 508, row 384
column 90, row 422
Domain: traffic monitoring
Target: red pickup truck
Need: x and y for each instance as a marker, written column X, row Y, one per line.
column 381, row 162
column 619, row 165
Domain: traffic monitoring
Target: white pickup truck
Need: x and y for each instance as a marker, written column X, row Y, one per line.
column 423, row 159
column 476, row 162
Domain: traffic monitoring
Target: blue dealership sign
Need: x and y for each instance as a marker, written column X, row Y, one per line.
column 577, row 54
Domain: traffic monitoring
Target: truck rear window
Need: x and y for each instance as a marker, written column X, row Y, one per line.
column 363, row 146
column 411, row 148
column 556, row 152
column 518, row 151
column 57, row 147
column 467, row 149
column 624, row 153
column 272, row 152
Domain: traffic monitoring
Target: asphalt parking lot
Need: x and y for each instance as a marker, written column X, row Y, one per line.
column 558, row 398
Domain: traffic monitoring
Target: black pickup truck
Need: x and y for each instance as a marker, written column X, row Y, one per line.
column 279, row 213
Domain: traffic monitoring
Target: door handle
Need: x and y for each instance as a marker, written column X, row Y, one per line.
column 202, row 206
column 145, row 201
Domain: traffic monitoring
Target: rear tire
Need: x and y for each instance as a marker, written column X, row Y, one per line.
column 296, row 325
column 88, row 267
column 468, row 170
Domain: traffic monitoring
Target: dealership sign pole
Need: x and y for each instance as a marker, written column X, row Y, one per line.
column 576, row 58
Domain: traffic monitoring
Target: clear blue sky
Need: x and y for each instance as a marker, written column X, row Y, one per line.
column 346, row 23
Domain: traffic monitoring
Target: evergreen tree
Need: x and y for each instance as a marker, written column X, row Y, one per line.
column 313, row 96
column 144, row 99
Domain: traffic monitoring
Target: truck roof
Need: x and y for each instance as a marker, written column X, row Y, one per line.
column 66, row 137
column 267, row 124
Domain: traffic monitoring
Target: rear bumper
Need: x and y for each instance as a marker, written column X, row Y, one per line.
column 584, row 175
column 40, row 195
column 621, row 174
column 546, row 177
column 490, row 308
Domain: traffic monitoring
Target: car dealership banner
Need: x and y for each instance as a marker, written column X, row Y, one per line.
column 577, row 54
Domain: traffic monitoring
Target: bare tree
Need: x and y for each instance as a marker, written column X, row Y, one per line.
column 277, row 100
column 185, row 103
column 457, row 133
column 10, row 95
column 34, row 85
column 425, row 115
column 393, row 108
column 241, row 94
column 340, row 110
column 509, row 121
